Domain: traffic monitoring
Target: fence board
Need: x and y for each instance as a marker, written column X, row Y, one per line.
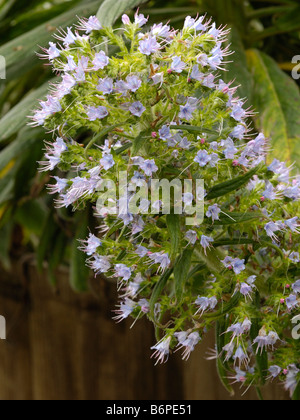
column 65, row 346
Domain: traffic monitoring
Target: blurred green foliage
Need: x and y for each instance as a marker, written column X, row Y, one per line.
column 265, row 36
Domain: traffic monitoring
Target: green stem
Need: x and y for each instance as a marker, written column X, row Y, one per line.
column 99, row 137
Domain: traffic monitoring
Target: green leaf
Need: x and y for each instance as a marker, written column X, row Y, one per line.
column 139, row 142
column 173, row 224
column 237, row 69
column 234, row 184
column 50, row 230
column 79, row 272
column 235, row 218
column 181, row 272
column 111, row 10
column 296, row 395
column 261, row 357
column 193, row 129
column 277, row 101
column 16, row 118
column 157, row 291
column 32, row 215
column 56, row 257
column 20, row 53
column 221, row 368
column 25, row 140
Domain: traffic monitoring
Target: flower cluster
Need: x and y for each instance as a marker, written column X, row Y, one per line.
column 153, row 104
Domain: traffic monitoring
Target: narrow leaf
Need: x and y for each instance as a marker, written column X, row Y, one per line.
column 181, row 272
column 158, row 289
column 173, row 224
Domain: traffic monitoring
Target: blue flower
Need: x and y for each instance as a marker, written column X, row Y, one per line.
column 214, row 212
column 165, row 133
column 206, row 241
column 178, row 65
column 133, row 83
column 106, row 86
column 94, row 113
column 107, row 162
column 149, row 167
column 100, row 61
column 196, row 74
column 187, row 110
column 137, row 109
column 203, row 158
column 149, row 46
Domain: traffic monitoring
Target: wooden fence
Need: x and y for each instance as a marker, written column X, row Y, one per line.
column 64, row 346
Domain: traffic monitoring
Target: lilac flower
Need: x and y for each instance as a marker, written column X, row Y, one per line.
column 246, row 290
column 137, row 109
column 241, row 356
column 162, row 259
column 125, row 310
column 292, row 302
column 126, row 20
column 121, row 270
column 158, row 78
column 214, row 212
column 160, row 30
column 89, row 25
column 138, row 179
column 292, row 379
column 205, row 242
column 238, row 265
column 145, row 305
column 141, row 251
column 239, row 132
column 70, row 38
column 208, row 81
column 188, row 199
column 238, row 113
column 162, row 350
column 53, row 154
column 236, row 329
column 66, row 85
column 100, row 61
column 203, row 158
column 149, row 167
column 294, row 257
column 53, row 52
column 264, row 340
column 140, row 20
column 197, row 25
column 187, row 110
column 274, row 371
column 296, row 287
column 205, row 304
column 188, row 341
column 91, row 245
column 271, row 228
column 202, row 59
column 270, row 193
column 107, row 162
column 165, row 133
column 100, row 264
column 133, row 83
column 184, row 144
column 59, row 187
column 137, row 225
column 149, row 46
column 94, row 113
column 178, row 65
column 230, row 150
column 293, row 224
column 106, row 86
column 191, row 236
column 82, row 66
